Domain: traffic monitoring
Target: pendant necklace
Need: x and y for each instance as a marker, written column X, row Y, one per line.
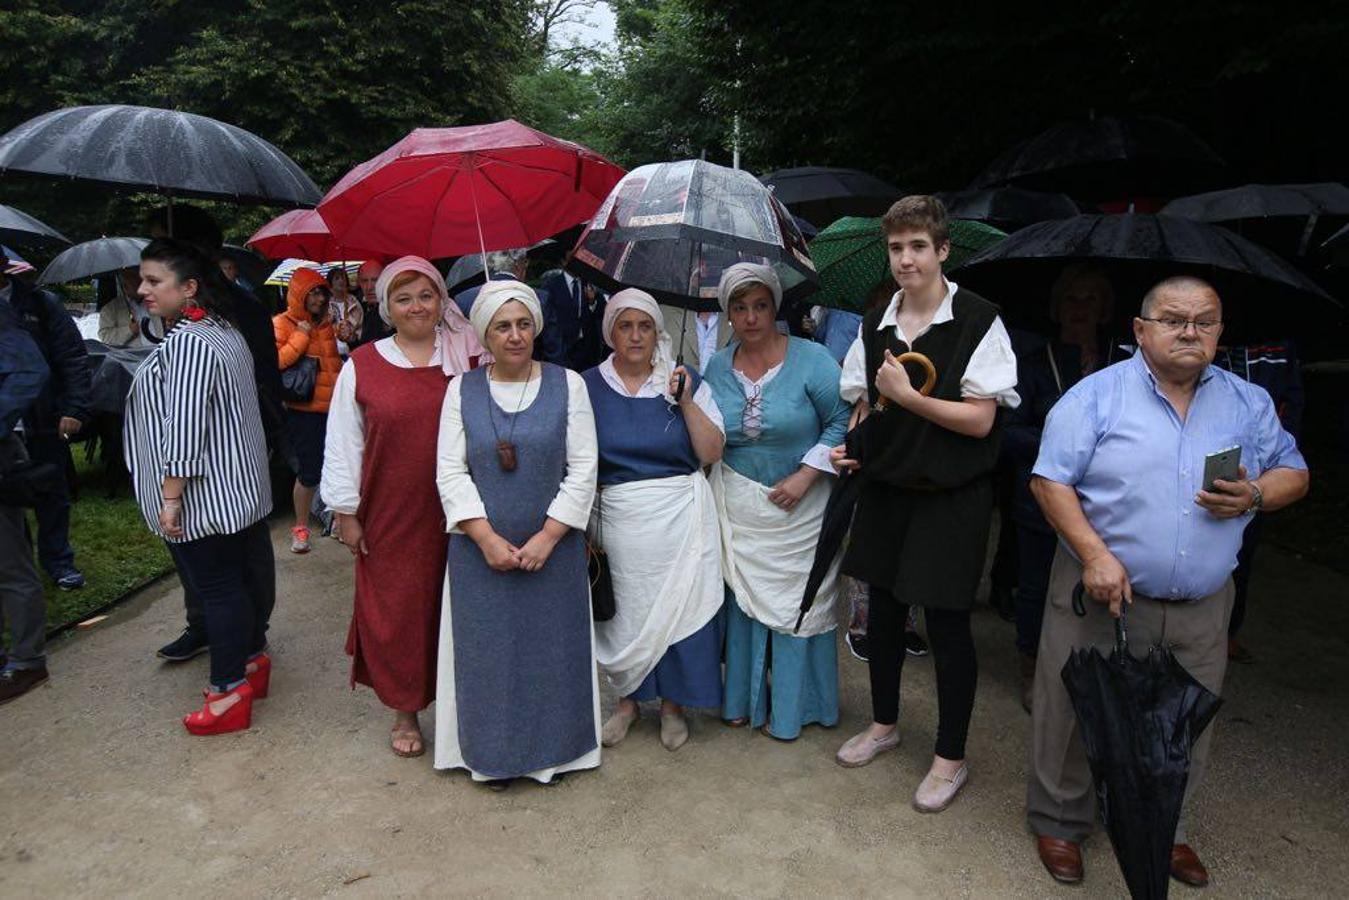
column 506, row 449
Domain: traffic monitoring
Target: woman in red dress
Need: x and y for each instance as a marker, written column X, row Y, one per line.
column 379, row 478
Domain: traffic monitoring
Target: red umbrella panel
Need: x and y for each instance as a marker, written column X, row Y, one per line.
column 449, row 191
column 302, row 233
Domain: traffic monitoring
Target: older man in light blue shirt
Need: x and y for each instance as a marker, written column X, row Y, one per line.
column 1120, row 477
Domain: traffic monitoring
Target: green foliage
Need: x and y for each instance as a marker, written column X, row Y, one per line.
column 330, row 83
column 113, row 548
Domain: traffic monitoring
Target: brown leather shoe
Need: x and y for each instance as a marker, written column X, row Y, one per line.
column 1186, row 867
column 1063, row 859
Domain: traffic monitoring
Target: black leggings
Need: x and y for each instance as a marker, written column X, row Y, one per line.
column 952, row 654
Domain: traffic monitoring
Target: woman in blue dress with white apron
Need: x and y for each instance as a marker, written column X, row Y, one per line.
column 517, row 694
column 657, row 523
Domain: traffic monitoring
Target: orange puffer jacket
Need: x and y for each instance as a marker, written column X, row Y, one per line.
column 292, row 342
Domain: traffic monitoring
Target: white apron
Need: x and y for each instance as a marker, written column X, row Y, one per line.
column 766, row 552
column 664, row 550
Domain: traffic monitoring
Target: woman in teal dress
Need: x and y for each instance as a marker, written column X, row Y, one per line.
column 778, row 396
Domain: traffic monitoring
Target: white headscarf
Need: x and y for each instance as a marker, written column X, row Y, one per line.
column 495, row 294
column 459, row 346
column 662, row 360
column 749, row 273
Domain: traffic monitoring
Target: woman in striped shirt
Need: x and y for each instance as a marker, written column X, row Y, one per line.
column 194, row 446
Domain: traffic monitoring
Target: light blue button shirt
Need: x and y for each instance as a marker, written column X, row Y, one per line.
column 1137, row 467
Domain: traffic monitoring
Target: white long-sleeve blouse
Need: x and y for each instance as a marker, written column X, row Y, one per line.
column 575, row 495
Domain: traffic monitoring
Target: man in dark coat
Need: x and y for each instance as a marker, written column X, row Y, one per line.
column 23, row 608
column 58, row 414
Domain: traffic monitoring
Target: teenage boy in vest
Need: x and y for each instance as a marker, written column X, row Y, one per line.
column 921, row 527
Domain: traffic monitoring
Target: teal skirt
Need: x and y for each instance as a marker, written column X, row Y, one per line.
column 804, row 675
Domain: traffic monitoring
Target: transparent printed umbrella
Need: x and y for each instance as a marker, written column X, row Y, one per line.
column 672, row 228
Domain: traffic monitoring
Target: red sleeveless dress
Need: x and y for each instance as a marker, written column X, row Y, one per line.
column 395, row 624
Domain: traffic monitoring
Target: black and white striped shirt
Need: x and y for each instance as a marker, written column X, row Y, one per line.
column 193, row 413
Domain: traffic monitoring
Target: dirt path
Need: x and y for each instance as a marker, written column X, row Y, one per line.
column 103, row 793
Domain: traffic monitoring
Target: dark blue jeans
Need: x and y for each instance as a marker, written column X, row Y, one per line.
column 235, row 590
column 53, row 512
column 1035, row 554
column 260, row 565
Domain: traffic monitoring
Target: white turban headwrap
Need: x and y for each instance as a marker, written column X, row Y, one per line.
column 662, row 360
column 749, row 273
column 459, row 346
column 495, row 294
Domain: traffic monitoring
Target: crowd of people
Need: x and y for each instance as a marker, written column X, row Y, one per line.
column 493, row 461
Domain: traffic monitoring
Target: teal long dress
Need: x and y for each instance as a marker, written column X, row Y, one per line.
column 800, row 409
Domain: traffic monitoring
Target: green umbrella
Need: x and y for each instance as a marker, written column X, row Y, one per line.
column 851, row 259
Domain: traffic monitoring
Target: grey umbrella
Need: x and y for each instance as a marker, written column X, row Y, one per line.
column 22, row 229
column 174, row 153
column 93, row 258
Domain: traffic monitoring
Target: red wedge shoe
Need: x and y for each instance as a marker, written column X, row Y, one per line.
column 236, row 718
column 260, row 679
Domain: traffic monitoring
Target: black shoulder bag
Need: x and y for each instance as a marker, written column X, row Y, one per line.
column 297, row 382
column 602, row 605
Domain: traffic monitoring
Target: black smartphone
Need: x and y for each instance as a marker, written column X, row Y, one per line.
column 1222, row 464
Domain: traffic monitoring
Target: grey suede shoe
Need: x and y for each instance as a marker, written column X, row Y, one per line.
column 861, row 749
column 616, row 728
column 674, row 731
column 935, row 793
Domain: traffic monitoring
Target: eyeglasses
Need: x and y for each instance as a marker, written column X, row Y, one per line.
column 1175, row 326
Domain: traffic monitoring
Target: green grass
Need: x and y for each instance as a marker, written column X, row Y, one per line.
column 113, row 548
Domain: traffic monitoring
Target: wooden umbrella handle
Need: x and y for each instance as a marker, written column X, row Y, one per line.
column 929, row 370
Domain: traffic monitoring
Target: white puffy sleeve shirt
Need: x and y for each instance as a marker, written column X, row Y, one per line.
column 990, row 374
column 459, row 495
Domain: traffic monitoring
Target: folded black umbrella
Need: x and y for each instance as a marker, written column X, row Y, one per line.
column 836, row 521
column 1139, row 720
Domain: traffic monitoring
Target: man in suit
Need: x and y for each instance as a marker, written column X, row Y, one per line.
column 579, row 311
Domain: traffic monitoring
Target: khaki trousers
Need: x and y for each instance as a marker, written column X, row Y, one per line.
column 1060, row 799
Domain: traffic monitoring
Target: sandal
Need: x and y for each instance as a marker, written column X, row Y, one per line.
column 406, row 734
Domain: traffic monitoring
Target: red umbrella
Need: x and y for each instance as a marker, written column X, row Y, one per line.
column 302, row 233
column 449, row 191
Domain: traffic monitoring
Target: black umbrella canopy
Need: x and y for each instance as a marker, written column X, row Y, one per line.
column 1135, row 251
column 823, row 195
column 1289, row 218
column 1109, row 158
column 93, row 258
column 1008, row 208
column 21, row 229
column 161, row 150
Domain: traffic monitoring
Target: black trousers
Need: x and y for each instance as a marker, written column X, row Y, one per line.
column 1035, row 553
column 260, row 562
column 233, row 577
column 948, row 631
column 54, row 552
column 1241, row 576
